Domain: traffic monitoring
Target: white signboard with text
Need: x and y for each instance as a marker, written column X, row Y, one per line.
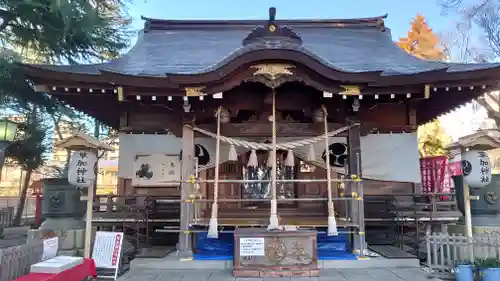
column 82, row 166
column 252, row 247
column 157, row 170
column 50, row 248
column 107, row 250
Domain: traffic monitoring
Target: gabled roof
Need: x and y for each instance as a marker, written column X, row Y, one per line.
column 80, row 140
column 194, row 47
column 482, row 140
column 177, row 58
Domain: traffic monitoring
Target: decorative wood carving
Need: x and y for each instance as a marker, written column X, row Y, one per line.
column 272, row 33
column 350, row 90
column 272, row 75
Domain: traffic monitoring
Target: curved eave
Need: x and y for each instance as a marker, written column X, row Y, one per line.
column 237, row 60
column 441, row 76
column 240, row 61
column 40, row 72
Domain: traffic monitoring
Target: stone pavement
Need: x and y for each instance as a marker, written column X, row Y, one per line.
column 388, row 274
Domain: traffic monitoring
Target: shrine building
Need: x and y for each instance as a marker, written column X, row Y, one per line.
column 308, row 124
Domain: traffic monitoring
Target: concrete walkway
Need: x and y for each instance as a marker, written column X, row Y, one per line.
column 388, row 274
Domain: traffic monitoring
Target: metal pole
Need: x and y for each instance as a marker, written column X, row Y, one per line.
column 259, row 181
column 231, row 200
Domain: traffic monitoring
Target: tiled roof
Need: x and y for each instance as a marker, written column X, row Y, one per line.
column 193, row 47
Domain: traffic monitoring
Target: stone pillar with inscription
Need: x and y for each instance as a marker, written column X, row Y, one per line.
column 62, row 208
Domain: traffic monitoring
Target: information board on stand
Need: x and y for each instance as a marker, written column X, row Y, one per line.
column 107, row 253
column 50, row 248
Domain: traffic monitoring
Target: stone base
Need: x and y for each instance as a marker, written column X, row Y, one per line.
column 71, row 241
column 62, row 224
column 277, row 254
column 276, row 273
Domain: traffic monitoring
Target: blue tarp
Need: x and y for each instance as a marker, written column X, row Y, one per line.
column 329, row 247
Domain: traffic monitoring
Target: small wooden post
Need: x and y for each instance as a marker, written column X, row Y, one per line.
column 88, row 219
column 356, row 207
column 467, row 213
column 184, row 247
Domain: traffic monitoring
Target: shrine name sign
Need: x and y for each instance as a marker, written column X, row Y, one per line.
column 262, row 253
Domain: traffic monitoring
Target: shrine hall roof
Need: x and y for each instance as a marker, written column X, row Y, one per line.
column 196, row 47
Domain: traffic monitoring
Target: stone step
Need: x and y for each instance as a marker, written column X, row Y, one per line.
column 171, row 262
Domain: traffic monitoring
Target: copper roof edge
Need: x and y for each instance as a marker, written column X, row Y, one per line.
column 154, row 23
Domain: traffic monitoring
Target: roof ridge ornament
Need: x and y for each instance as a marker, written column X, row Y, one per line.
column 272, row 33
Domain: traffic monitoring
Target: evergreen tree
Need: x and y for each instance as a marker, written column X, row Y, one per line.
column 423, row 43
column 50, row 31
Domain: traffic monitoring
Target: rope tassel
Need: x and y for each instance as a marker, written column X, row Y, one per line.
column 252, row 160
column 290, row 161
column 233, row 156
column 311, row 155
column 332, row 222
column 213, row 226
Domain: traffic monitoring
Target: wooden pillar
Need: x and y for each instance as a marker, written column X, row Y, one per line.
column 356, row 207
column 184, row 246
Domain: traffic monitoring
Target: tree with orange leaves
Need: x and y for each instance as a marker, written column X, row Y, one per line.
column 421, row 41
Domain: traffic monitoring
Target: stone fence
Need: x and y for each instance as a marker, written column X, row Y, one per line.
column 16, row 261
column 444, row 251
column 6, row 217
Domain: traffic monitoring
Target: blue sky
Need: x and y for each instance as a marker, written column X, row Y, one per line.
column 400, row 12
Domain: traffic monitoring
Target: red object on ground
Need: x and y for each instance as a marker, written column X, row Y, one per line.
column 77, row 273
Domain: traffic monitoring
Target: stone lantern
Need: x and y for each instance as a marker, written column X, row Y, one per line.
column 62, row 207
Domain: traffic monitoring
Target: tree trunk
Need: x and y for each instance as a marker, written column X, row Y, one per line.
column 22, row 198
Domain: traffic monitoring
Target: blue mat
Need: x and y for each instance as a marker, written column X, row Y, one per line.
column 329, row 247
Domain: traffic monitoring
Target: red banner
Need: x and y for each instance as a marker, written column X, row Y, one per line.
column 455, row 168
column 433, row 170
